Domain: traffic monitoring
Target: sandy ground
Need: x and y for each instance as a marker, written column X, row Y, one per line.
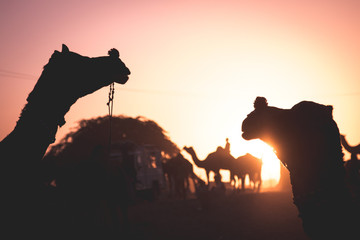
column 237, row 215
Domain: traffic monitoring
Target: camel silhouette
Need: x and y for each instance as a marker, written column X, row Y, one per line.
column 352, row 167
column 247, row 165
column 178, row 171
column 67, row 77
column 307, row 141
column 238, row 167
column 348, row 147
column 213, row 162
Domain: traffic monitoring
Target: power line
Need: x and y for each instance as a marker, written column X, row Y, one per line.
column 25, row 76
column 17, row 73
column 18, row 77
column 6, row 73
column 164, row 92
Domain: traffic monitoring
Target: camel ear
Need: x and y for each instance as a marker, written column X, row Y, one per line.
column 329, row 110
column 114, row 53
column 260, row 103
column 65, row 49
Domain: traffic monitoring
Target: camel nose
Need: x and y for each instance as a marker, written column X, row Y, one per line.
column 122, row 79
column 246, row 137
column 243, row 125
column 244, row 129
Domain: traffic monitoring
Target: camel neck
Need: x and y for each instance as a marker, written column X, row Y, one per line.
column 195, row 158
column 32, row 121
column 30, row 138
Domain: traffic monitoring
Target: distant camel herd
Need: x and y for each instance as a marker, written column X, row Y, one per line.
column 238, row 167
column 179, row 170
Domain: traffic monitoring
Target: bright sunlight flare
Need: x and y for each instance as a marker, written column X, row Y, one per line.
column 270, row 172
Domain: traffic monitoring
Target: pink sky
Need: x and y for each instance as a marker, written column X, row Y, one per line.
column 197, row 66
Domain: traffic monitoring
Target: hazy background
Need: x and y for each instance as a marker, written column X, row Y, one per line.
column 196, row 66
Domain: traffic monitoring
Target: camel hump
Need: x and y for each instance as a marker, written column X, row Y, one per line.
column 256, row 159
column 312, row 110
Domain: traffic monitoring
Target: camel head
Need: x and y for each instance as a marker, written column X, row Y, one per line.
column 112, row 67
column 69, row 76
column 190, row 150
column 263, row 123
column 76, row 76
column 306, row 138
column 289, row 130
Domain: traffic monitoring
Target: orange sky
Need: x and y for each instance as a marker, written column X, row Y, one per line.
column 197, row 66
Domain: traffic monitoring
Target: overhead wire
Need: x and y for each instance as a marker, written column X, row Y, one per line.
column 25, row 76
column 12, row 74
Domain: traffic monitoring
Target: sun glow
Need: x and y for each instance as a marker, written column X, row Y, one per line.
column 271, row 165
column 270, row 172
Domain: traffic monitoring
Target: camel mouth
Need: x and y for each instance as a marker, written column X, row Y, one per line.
column 122, row 79
column 246, row 136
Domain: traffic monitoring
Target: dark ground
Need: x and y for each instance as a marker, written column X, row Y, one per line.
column 249, row 215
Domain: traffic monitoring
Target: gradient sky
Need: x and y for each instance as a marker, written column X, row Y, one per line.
column 197, row 66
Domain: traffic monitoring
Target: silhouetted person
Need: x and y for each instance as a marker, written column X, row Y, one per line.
column 219, row 187
column 227, row 146
column 202, row 194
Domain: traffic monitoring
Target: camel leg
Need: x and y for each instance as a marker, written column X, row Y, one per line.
column 232, row 179
column 259, row 184
column 252, row 182
column 243, row 183
column 187, row 184
column 185, row 187
column 257, row 180
column 208, row 178
column 171, row 186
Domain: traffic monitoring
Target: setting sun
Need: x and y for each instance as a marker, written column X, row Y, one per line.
column 270, row 172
